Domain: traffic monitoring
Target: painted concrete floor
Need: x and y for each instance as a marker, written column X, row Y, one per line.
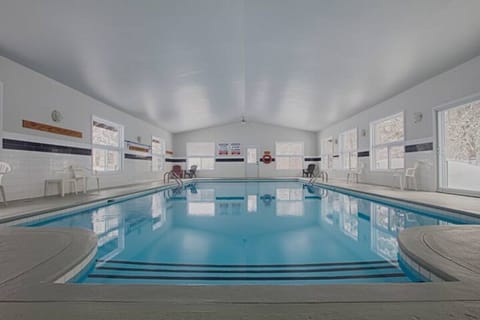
column 444, row 200
column 26, row 207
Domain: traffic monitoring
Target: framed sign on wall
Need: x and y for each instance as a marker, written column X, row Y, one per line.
column 228, row 149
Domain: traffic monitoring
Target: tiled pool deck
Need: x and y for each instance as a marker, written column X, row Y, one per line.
column 32, row 259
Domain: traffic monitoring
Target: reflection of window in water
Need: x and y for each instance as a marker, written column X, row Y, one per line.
column 349, row 217
column 389, row 219
column 289, row 194
column 201, row 203
column 105, row 220
column 236, row 208
column 289, row 202
column 201, row 209
column 108, row 225
column 159, row 211
column 385, row 225
column 223, row 209
column 201, row 195
column 252, row 203
column 327, row 214
column 384, row 244
column 444, row 223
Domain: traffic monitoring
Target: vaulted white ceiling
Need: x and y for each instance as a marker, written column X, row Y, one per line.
column 188, row 64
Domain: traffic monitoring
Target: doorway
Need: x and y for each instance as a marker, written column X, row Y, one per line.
column 251, row 163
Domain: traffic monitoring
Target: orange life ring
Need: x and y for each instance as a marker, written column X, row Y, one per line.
column 267, row 158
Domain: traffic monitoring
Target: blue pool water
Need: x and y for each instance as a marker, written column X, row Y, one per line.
column 246, row 233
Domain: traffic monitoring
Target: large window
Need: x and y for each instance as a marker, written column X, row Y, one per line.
column 348, row 149
column 326, row 153
column 158, row 154
column 387, row 141
column 201, row 154
column 289, row 155
column 107, row 145
column 459, row 146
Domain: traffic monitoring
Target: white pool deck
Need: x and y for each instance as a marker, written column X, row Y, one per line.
column 32, row 259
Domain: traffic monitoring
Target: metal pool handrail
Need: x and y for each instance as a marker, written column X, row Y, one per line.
column 321, row 174
column 167, row 175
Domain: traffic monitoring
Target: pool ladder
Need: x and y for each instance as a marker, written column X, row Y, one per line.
column 170, row 174
column 321, row 174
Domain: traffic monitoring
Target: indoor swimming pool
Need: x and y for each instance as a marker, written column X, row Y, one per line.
column 246, row 232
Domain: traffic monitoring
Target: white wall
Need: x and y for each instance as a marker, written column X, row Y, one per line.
column 261, row 135
column 459, row 82
column 29, row 95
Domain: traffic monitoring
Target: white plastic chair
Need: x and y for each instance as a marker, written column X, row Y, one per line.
column 5, row 168
column 65, row 177
column 80, row 174
column 355, row 173
column 400, row 174
column 411, row 174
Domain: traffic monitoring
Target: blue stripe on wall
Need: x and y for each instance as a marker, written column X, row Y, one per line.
column 137, row 157
column 43, row 147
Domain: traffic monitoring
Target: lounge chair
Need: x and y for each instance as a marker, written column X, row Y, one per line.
column 192, row 172
column 309, row 171
column 177, row 170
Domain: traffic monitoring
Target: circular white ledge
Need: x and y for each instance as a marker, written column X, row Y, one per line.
column 446, row 253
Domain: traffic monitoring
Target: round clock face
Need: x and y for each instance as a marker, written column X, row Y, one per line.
column 57, row 116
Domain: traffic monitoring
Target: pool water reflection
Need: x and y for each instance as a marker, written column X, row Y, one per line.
column 246, row 233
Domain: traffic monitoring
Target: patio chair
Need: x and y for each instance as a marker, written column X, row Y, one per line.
column 177, row 170
column 5, row 168
column 62, row 178
column 192, row 172
column 309, row 171
column 411, row 175
column 80, row 174
column 355, row 173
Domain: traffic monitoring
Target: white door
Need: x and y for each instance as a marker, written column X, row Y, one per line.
column 251, row 162
column 459, row 148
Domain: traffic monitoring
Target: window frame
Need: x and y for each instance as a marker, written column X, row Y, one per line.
column 342, row 153
column 387, row 145
column 290, row 155
column 160, row 156
column 212, row 156
column 439, row 140
column 119, row 149
column 327, row 157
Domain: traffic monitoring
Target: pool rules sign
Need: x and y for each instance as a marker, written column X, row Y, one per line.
column 228, row 149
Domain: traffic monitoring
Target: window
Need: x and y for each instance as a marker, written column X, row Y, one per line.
column 459, row 146
column 387, row 140
column 201, row 154
column 158, row 154
column 326, row 153
column 289, row 155
column 107, row 145
column 348, row 149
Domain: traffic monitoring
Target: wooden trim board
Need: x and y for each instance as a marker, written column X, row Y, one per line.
column 140, row 149
column 51, row 129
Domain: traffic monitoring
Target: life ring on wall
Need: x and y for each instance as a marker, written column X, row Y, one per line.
column 267, row 199
column 266, row 158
